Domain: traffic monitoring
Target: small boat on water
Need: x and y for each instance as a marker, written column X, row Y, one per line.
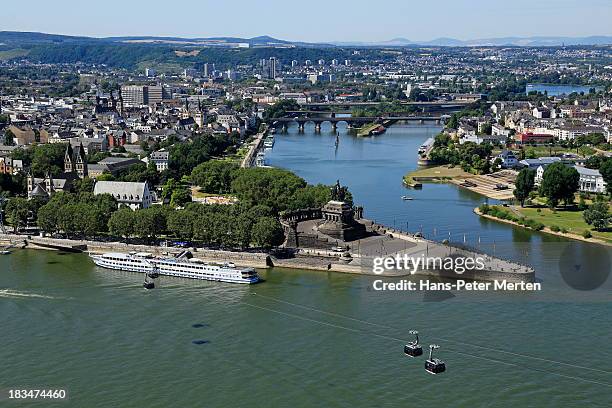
column 406, row 198
column 269, row 142
column 4, row 252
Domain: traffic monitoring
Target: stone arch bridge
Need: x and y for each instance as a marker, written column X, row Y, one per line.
column 351, row 121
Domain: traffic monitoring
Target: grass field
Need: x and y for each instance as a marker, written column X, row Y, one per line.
column 437, row 173
column 366, row 129
column 570, row 220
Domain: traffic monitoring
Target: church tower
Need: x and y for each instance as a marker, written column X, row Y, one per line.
column 49, row 184
column 81, row 162
column 68, row 159
column 30, row 182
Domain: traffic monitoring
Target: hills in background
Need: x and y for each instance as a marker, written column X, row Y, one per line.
column 499, row 42
column 14, row 38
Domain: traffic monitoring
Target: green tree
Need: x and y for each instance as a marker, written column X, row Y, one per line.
column 313, row 196
column 214, row 176
column 9, row 138
column 48, row 216
column 279, row 109
column 151, row 222
column 17, row 211
column 105, row 177
column 203, row 226
column 606, row 171
column 597, row 215
column 121, row 223
column 267, row 232
column 85, row 185
column 270, row 187
column 524, row 185
column 181, row 223
column 559, row 182
column 240, row 230
column 12, row 184
column 180, row 197
column 48, row 158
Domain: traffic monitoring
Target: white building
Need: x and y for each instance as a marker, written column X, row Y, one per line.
column 508, row 159
column 572, row 132
column 299, row 97
column 479, row 139
column 230, row 122
column 591, row 181
column 133, row 195
column 160, row 158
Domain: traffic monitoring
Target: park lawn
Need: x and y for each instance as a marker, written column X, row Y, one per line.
column 437, row 172
column 196, row 193
column 545, row 151
column 571, row 220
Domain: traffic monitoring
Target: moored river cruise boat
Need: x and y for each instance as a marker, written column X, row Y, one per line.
column 180, row 267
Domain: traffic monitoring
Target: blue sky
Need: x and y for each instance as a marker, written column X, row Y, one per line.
column 312, row 20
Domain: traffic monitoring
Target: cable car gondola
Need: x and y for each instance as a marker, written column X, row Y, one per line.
column 149, row 282
column 413, row 349
column 434, row 365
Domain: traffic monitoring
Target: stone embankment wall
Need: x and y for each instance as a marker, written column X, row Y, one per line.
column 253, row 259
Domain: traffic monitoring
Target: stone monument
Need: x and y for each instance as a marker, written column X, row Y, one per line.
column 339, row 217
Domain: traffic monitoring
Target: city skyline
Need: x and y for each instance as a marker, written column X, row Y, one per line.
column 324, row 22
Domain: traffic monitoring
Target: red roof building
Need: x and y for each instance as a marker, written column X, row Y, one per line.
column 533, row 138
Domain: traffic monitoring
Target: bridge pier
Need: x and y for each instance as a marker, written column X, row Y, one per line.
column 284, row 128
column 437, row 121
column 301, row 127
column 334, row 126
column 318, row 127
column 421, row 121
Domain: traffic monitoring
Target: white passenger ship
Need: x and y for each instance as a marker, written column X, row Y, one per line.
column 179, row 267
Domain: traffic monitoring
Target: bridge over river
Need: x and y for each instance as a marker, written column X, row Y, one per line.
column 352, row 121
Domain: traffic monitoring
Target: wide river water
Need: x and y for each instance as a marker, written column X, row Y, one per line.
column 304, row 339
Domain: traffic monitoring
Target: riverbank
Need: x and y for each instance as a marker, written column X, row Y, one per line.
column 370, row 129
column 310, row 259
column 254, row 147
column 498, row 186
column 435, row 174
column 359, row 262
column 546, row 229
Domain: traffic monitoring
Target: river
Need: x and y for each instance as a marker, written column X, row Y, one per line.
column 557, row 90
column 305, row 339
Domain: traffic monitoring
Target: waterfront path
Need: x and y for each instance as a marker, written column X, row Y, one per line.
column 253, row 149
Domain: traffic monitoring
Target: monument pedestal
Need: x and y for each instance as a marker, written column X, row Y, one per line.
column 339, row 222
